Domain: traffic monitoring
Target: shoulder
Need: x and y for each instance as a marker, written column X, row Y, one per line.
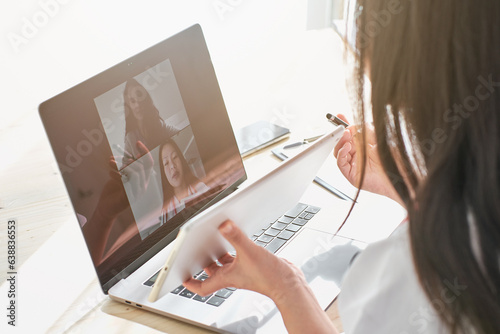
column 381, row 292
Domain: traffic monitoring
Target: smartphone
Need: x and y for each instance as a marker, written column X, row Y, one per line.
column 259, row 135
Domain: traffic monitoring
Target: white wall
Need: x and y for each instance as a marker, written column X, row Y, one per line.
column 50, row 45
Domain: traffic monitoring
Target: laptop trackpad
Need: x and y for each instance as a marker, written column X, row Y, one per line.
column 324, row 259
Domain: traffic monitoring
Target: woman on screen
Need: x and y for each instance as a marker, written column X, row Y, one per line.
column 178, row 181
column 142, row 121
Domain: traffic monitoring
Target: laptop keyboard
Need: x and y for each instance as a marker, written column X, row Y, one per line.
column 272, row 237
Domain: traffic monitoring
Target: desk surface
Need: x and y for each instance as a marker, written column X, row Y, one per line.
column 58, row 290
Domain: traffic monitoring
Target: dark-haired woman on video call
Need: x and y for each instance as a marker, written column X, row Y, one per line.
column 177, row 180
column 143, row 122
column 434, row 69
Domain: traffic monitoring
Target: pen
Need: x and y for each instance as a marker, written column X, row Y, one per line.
column 335, row 120
column 303, row 142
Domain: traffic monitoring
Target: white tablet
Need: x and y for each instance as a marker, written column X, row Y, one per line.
column 199, row 242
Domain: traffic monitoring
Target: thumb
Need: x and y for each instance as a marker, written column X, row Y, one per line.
column 141, row 147
column 235, row 236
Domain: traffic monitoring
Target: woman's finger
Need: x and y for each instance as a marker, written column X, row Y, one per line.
column 345, row 151
column 143, row 151
column 346, row 137
column 204, row 288
column 236, row 237
column 211, row 268
column 344, row 160
column 342, row 117
column 226, row 259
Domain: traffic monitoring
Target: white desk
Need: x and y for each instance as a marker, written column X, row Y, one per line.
column 57, row 286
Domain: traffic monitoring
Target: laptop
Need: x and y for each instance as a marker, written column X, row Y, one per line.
column 145, row 147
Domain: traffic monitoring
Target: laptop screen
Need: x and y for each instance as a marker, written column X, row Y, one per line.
column 142, row 147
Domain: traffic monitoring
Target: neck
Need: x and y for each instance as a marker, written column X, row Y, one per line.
column 181, row 191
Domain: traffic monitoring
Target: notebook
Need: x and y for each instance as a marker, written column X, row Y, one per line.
column 145, row 147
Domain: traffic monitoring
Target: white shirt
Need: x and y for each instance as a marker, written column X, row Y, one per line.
column 381, row 292
column 175, row 205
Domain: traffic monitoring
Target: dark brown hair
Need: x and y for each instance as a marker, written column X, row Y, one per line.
column 434, row 68
column 152, row 119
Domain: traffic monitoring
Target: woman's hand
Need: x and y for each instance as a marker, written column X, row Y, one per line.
column 254, row 268
column 348, row 161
